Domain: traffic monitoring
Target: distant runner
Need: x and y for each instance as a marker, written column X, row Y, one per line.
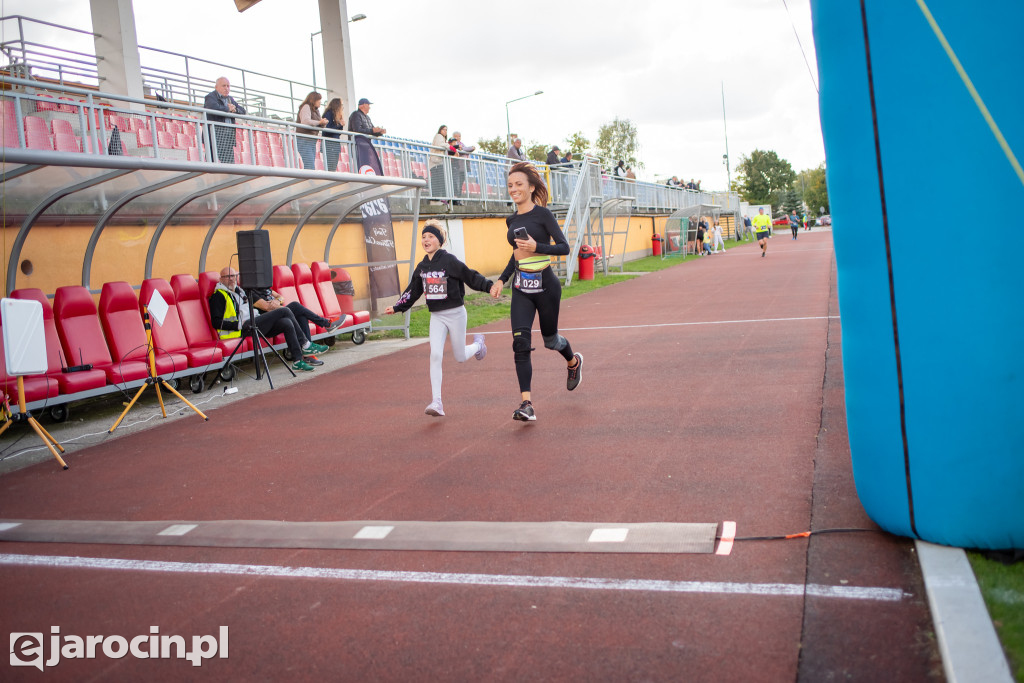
column 762, row 223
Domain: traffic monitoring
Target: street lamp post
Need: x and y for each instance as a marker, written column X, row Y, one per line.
column 312, row 47
column 508, row 126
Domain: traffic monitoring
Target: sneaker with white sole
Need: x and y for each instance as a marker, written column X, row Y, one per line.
column 575, row 373
column 482, row 351
column 435, row 409
column 524, row 413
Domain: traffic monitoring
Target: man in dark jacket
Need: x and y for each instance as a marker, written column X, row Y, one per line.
column 553, row 159
column 223, row 137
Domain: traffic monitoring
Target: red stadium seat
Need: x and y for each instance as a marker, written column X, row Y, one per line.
column 66, row 143
column 194, row 313
column 125, row 332
column 37, row 140
column 284, row 284
column 303, row 277
column 81, row 336
column 145, row 138
column 47, row 104
column 165, row 140
column 61, row 126
column 67, row 382
column 170, row 335
column 334, row 289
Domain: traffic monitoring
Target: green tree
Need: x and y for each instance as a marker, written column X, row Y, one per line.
column 617, row 140
column 536, row 151
column 790, row 200
column 495, row 145
column 577, row 143
column 814, row 188
column 762, row 175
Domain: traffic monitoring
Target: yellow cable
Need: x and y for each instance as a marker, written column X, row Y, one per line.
column 971, row 89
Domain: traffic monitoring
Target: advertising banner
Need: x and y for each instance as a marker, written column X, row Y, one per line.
column 378, row 231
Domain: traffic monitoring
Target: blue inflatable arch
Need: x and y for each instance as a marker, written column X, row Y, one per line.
column 922, row 110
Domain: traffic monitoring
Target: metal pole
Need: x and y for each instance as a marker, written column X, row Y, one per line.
column 312, row 55
column 728, row 173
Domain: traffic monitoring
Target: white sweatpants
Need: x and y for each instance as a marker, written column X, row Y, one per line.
column 719, row 241
column 443, row 323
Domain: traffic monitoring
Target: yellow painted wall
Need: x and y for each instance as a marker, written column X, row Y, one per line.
column 56, row 252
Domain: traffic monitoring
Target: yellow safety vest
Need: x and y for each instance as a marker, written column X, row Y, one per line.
column 230, row 313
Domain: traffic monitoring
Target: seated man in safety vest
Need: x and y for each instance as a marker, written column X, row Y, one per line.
column 229, row 314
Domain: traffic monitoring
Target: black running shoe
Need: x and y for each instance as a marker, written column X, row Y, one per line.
column 524, row 413
column 575, row 373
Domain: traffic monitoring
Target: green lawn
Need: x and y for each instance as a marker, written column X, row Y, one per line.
column 1002, row 586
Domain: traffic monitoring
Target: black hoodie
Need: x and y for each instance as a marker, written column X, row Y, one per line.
column 444, row 279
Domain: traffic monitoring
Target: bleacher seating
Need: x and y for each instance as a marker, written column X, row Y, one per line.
column 169, row 335
column 125, row 332
column 332, row 303
column 81, row 336
column 323, row 279
column 67, row 382
column 194, row 313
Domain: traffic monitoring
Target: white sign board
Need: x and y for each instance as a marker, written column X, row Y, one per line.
column 24, row 337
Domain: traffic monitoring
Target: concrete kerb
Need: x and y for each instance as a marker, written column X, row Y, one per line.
column 967, row 638
column 88, row 423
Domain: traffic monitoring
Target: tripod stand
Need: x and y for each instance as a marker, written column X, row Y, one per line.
column 153, row 379
column 257, row 338
column 25, row 415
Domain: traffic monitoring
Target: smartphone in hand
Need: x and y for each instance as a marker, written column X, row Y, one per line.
column 521, row 234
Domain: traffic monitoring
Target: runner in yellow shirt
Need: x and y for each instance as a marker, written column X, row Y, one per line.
column 761, row 225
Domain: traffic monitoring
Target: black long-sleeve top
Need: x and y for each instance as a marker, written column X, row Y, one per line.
column 443, row 279
column 542, row 226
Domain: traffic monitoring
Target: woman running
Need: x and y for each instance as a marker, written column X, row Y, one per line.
column 535, row 288
column 443, row 277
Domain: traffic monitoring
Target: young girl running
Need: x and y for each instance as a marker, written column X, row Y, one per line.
column 535, row 288
column 443, row 278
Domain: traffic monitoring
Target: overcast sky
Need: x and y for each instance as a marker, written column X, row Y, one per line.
column 660, row 63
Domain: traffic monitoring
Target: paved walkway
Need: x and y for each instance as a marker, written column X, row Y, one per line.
column 712, row 392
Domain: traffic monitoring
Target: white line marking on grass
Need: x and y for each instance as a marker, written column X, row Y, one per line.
column 493, row 580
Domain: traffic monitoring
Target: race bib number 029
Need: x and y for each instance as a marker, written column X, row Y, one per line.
column 435, row 288
column 529, row 283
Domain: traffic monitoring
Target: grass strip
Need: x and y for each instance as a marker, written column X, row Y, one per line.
column 1002, row 586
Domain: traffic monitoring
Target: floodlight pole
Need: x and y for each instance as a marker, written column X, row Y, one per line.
column 728, row 173
column 508, row 126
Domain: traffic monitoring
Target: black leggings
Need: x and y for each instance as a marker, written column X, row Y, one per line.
column 524, row 308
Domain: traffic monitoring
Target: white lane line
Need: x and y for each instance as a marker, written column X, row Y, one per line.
column 608, row 536
column 6, row 526
column 705, row 322
column 649, row 585
column 177, row 530
column 374, row 532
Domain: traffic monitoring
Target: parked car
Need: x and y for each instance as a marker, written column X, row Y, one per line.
column 784, row 220
column 824, row 220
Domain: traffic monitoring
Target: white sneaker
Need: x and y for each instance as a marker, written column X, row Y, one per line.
column 482, row 351
column 435, row 409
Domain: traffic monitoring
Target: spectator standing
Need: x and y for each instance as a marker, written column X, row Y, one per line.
column 716, row 237
column 332, row 132
column 310, row 123
column 553, row 159
column 701, row 225
column 359, row 120
column 437, row 162
column 459, row 164
column 761, row 226
column 673, row 182
column 223, row 136
column 458, row 169
column 515, row 152
column 629, row 174
column 567, row 160
column 748, row 228
column 620, row 170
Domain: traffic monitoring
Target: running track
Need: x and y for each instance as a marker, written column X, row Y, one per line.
column 712, row 392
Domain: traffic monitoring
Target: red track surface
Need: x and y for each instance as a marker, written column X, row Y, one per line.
column 712, row 391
